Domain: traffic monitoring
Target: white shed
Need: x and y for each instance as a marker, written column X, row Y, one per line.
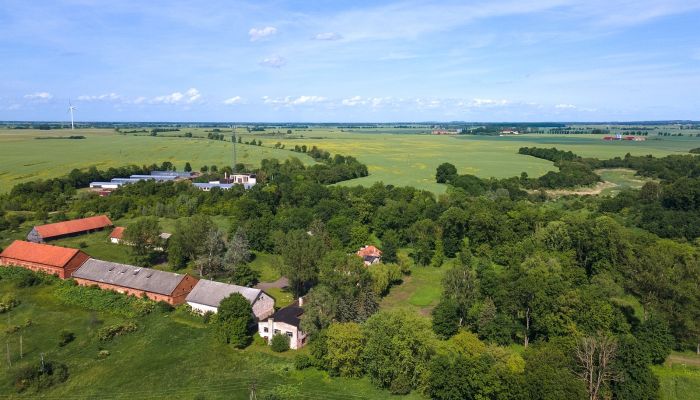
column 207, row 295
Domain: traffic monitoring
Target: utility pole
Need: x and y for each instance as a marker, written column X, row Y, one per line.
column 253, row 391
column 43, row 368
column 233, row 128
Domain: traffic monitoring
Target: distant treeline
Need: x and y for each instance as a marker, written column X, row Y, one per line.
column 60, row 137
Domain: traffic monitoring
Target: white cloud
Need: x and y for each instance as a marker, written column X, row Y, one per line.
column 273, row 62
column 233, row 100
column 190, row 96
column 139, row 100
column 565, row 106
column 44, row 96
column 261, row 33
column 327, row 36
column 101, row 97
column 290, row 101
column 487, row 103
column 353, row 101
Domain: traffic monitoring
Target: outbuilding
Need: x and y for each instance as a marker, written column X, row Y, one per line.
column 207, row 295
column 54, row 260
column 128, row 279
column 42, row 233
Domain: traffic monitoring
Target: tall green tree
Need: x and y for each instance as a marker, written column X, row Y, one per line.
column 233, row 320
column 143, row 236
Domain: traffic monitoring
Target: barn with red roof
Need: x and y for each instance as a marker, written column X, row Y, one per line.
column 54, row 260
column 42, row 233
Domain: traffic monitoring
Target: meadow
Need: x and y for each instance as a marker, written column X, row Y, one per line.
column 393, row 156
column 171, row 355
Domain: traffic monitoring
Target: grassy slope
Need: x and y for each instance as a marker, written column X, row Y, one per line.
column 171, row 355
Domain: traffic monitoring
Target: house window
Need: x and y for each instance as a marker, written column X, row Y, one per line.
column 290, row 334
column 277, row 331
column 265, row 330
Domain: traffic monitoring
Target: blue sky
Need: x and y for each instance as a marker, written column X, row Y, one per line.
column 487, row 60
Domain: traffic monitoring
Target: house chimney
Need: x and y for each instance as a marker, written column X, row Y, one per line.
column 301, row 302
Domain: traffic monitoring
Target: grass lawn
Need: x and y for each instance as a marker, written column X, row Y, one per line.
column 679, row 377
column 171, row 355
column 419, row 291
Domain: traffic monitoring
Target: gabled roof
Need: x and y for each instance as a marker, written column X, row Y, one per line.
column 117, row 233
column 73, row 226
column 39, row 253
column 290, row 315
column 129, row 276
column 369, row 251
column 211, row 293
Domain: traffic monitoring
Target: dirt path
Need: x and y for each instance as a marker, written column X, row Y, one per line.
column 683, row 359
column 281, row 283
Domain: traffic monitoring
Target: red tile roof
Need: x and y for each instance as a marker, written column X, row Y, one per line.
column 369, row 251
column 73, row 226
column 117, row 233
column 39, row 253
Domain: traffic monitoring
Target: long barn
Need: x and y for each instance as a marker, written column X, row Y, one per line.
column 54, row 260
column 128, row 279
column 42, row 233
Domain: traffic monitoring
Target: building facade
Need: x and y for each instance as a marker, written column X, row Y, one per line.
column 53, row 260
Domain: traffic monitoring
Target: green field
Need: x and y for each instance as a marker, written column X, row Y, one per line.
column 24, row 158
column 394, row 156
column 679, row 376
column 171, row 355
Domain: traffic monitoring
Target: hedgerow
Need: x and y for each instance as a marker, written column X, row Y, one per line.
column 93, row 298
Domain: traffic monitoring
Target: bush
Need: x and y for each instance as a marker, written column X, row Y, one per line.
column 65, row 337
column 91, row 297
column 83, row 245
column 165, row 307
column 8, row 303
column 110, row 332
column 279, row 343
column 22, row 277
column 303, row 361
column 102, row 354
column 40, row 376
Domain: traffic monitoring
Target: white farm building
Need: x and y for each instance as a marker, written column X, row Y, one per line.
column 207, row 295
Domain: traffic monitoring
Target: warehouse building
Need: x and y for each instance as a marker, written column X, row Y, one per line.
column 42, row 233
column 53, row 260
column 128, row 279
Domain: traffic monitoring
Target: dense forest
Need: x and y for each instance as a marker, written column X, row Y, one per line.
column 594, row 289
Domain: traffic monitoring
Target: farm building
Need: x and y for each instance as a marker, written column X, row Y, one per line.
column 213, row 184
column 175, row 174
column 117, row 235
column 42, row 233
column 286, row 321
column 370, row 255
column 207, row 295
column 54, row 260
column 128, row 279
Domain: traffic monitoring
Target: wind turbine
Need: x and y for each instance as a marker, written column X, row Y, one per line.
column 71, row 108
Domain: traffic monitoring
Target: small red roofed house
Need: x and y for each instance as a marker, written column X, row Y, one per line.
column 54, row 260
column 117, row 235
column 370, row 255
